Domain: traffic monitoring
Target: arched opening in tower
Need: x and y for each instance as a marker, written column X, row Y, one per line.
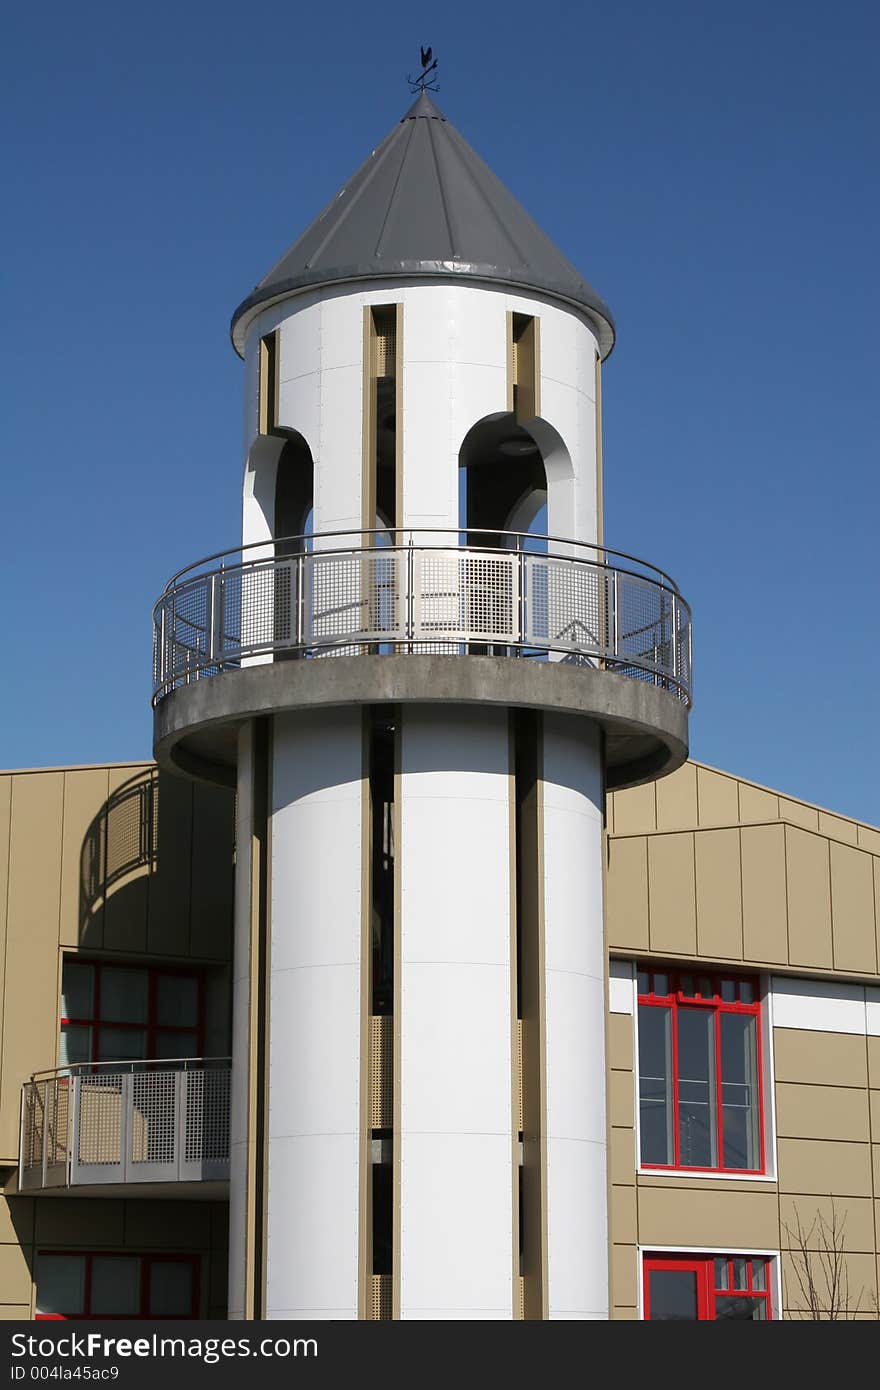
column 502, row 483
column 294, row 494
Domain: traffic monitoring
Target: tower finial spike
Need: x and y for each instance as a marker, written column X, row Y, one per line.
column 425, row 82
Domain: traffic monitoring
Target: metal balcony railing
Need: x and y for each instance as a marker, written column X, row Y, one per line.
column 423, row 591
column 126, row 1122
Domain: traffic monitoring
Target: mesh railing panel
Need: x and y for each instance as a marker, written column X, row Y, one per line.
column 100, row 1118
column 447, row 599
column 153, row 1130
column 206, row 1120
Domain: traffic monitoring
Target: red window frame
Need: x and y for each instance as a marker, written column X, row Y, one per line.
column 703, row 1266
column 673, row 999
column 146, row 1262
column 151, row 1027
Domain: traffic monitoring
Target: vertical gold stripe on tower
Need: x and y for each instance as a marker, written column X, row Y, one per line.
column 600, row 500
column 258, row 1026
column 398, row 411
column 396, row 1102
column 515, row 1031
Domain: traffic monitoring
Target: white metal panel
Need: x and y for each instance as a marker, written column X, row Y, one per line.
column 575, row 1018
column 577, row 1266
column 620, row 987
column 872, row 1011
column 456, row 1236
column 338, row 499
column 312, row 1246
column 456, row 1193
column 238, row 1123
column 314, row 1046
column 822, row 1006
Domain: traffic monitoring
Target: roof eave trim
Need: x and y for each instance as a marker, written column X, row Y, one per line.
column 594, row 308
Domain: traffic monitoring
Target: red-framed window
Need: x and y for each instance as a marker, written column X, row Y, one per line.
column 688, row 1288
column 113, row 1012
column 700, row 1072
column 116, row 1284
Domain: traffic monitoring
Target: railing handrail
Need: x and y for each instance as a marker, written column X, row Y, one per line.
column 307, row 542
column 86, row 1068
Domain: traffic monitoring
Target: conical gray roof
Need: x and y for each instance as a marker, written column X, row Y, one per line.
column 425, row 204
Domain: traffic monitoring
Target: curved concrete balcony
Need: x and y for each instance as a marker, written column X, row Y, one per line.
column 543, row 623
column 105, row 1125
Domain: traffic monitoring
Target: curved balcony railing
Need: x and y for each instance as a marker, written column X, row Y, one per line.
column 121, row 1122
column 348, row 593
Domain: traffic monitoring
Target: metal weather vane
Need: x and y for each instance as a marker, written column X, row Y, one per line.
column 425, row 82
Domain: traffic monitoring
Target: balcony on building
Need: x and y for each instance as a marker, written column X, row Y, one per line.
column 144, row 1128
column 575, row 611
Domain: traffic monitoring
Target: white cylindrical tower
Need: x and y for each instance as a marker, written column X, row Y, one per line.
column 422, row 670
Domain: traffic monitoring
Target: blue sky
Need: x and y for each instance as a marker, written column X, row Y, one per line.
column 710, row 167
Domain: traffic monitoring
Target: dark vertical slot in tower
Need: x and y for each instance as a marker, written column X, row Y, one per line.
column 530, row 969
column 384, row 374
column 382, row 739
column 268, row 383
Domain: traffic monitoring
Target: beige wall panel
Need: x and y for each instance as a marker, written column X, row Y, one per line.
column 5, row 821
column 809, row 898
column 798, row 814
column 15, row 1274
column 874, row 1062
column 171, row 881
column 624, row 1314
column 620, row 1042
column 626, row 897
column 876, row 862
column 765, row 918
column 623, row 1156
column 167, row 1225
column 82, row 858
column 707, row 1184
column 692, row 1216
column 821, row 1059
column 16, row 1220
column 212, row 872
column 622, row 1099
column 78, row 1221
column 719, row 894
column 624, row 1276
column 624, row 1216
column 868, row 838
column 854, row 1214
column 875, row 1160
column 836, row 828
column 717, row 798
column 127, row 899
column 755, row 804
column 852, row 909
column 18, row 1312
column 635, row 811
column 672, row 923
column 30, row 1024
column 861, row 1273
column 821, row 1112
column 677, row 799
column 874, row 1105
column 824, row 1167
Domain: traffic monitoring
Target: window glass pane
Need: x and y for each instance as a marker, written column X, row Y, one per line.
column 746, row 993
column 77, row 990
column 170, row 1288
column 124, row 995
column 704, row 988
column 661, row 985
column 61, row 1282
column 697, row 1127
column 169, row 1044
column 721, row 1272
column 739, row 1090
column 759, row 1274
column 672, row 1295
column 655, row 1084
column 728, row 991
column 741, row 1309
column 687, row 985
column 76, row 1044
column 121, row 1044
column 740, row 1273
column 115, row 1284
column 177, row 1001
column 644, row 982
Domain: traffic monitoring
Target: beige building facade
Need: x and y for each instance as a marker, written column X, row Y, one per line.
column 710, row 880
